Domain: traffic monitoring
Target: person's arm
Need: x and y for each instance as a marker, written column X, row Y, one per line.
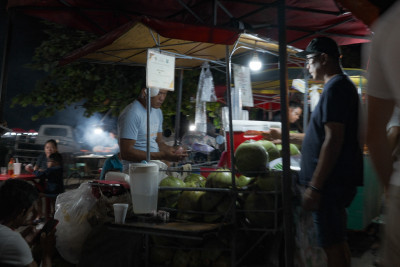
column 128, row 152
column 378, row 114
column 393, row 136
column 330, row 151
column 275, row 135
column 171, row 153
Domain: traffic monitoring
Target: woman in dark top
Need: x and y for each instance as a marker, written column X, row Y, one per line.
column 50, row 147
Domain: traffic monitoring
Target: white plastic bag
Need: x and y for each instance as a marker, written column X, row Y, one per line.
column 72, row 210
column 206, row 85
column 205, row 93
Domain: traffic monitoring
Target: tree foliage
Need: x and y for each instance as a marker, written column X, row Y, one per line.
column 98, row 87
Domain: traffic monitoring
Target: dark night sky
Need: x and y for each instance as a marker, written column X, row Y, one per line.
column 26, row 35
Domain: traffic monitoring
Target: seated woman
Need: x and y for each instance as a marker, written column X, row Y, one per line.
column 51, row 180
column 111, row 164
column 50, row 147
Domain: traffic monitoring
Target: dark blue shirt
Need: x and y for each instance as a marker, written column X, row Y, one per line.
column 52, row 180
column 41, row 161
column 339, row 103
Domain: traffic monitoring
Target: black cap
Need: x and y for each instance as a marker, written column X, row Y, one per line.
column 321, row 45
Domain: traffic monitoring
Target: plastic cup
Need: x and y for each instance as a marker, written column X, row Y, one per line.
column 3, row 170
column 120, row 210
column 17, row 168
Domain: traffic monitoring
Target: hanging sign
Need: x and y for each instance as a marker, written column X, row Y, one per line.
column 243, row 84
column 160, row 70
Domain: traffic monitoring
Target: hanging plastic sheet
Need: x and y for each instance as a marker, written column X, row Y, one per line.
column 205, row 93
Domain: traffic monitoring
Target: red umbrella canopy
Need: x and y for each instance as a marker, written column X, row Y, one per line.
column 18, row 130
column 304, row 19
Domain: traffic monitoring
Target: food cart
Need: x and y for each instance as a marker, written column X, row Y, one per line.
column 286, row 210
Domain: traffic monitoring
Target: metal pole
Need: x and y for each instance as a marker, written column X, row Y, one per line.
column 305, row 100
column 148, row 109
column 229, row 103
column 178, row 109
column 287, row 179
column 4, row 66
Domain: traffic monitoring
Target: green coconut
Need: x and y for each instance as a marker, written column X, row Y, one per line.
column 294, row 150
column 189, row 201
column 258, row 209
column 243, row 180
column 268, row 182
column 271, row 148
column 221, row 178
column 169, row 198
column 251, row 158
column 195, row 180
column 170, row 181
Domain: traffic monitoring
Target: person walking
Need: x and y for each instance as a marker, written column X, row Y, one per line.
column 332, row 161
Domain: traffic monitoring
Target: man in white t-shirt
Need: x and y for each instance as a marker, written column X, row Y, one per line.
column 383, row 95
column 16, row 205
column 132, row 131
column 393, row 132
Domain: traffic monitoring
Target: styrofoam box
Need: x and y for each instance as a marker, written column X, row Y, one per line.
column 247, row 125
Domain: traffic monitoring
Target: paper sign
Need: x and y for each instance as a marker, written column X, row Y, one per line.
column 243, row 84
column 160, row 72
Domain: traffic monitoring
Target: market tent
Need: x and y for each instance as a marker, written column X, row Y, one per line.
column 267, row 82
column 265, row 86
column 128, row 44
column 304, row 19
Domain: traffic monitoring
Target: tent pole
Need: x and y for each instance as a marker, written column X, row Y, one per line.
column 4, row 66
column 305, row 100
column 148, row 108
column 229, row 103
column 287, row 179
column 178, row 109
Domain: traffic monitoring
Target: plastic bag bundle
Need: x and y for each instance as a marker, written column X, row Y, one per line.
column 205, row 93
column 206, row 85
column 72, row 210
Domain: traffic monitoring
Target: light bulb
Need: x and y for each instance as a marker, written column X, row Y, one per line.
column 255, row 63
column 98, row 130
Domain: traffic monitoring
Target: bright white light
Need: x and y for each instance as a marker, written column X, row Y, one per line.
column 98, row 130
column 255, row 63
column 192, row 127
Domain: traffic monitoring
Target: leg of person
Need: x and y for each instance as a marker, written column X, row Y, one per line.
column 338, row 253
column 391, row 242
column 331, row 225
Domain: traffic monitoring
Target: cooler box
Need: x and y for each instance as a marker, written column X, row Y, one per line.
column 239, row 128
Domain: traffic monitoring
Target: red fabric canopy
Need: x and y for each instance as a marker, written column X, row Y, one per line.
column 304, row 19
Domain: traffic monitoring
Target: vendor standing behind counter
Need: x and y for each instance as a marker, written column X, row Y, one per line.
column 132, row 129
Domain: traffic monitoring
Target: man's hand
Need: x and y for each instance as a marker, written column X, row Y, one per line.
column 29, row 234
column 274, row 135
column 173, row 154
column 311, row 200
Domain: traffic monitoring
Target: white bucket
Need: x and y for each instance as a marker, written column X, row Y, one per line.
column 144, row 187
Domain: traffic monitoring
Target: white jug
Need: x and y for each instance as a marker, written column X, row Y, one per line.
column 144, row 180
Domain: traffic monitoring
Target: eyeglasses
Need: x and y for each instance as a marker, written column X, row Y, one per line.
column 309, row 58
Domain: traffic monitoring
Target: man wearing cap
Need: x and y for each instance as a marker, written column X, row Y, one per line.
column 132, row 131
column 332, row 162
